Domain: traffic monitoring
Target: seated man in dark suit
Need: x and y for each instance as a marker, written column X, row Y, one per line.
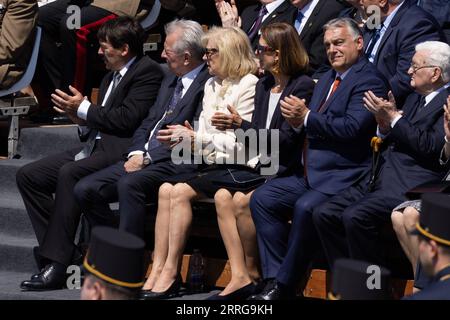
column 349, row 224
column 135, row 182
column 308, row 19
column 440, row 9
column 254, row 17
column 336, row 153
column 126, row 93
column 390, row 46
column 433, row 230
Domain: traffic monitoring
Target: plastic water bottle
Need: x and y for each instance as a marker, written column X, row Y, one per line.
column 197, row 272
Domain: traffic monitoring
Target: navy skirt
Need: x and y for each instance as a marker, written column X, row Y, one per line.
column 208, row 179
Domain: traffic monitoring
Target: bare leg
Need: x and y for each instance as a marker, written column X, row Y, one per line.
column 247, row 233
column 230, row 235
column 161, row 235
column 402, row 224
column 180, row 222
column 411, row 217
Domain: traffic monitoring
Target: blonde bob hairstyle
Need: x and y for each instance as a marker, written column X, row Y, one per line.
column 236, row 57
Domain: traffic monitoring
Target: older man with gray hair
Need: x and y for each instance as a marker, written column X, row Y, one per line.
column 349, row 224
column 393, row 29
column 134, row 182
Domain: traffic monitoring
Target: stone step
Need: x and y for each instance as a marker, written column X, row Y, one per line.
column 38, row 142
column 14, row 219
column 16, row 253
column 8, row 170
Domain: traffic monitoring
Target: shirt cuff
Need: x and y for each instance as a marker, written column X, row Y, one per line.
column 394, row 122
column 133, row 153
column 83, row 109
column 300, row 127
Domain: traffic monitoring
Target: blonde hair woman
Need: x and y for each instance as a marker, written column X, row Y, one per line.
column 231, row 62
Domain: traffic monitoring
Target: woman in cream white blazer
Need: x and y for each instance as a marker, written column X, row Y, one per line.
column 232, row 63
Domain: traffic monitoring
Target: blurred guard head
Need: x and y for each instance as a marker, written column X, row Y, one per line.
column 358, row 280
column 114, row 265
column 434, row 229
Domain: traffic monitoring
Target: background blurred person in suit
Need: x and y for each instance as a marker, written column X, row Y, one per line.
column 17, row 30
column 390, row 46
column 433, row 230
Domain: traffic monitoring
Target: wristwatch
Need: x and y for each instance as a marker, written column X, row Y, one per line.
column 146, row 161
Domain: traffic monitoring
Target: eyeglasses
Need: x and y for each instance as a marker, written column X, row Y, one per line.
column 210, row 51
column 264, row 49
column 416, row 68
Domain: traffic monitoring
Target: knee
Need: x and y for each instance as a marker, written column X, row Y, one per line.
column 222, row 199
column 320, row 215
column 258, row 200
column 24, row 175
column 181, row 192
column 164, row 191
column 82, row 190
column 126, row 183
column 241, row 203
column 67, row 171
column 411, row 217
column 397, row 221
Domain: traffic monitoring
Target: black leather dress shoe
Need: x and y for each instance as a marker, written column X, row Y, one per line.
column 274, row 290
column 52, row 277
column 239, row 294
column 172, row 292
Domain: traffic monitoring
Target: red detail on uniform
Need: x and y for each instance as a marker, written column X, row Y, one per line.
column 81, row 50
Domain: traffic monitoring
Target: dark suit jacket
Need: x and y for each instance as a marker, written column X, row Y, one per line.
column 312, row 34
column 437, row 290
column 188, row 108
column 289, row 142
column 281, row 14
column 338, row 151
column 127, row 105
column 410, row 26
column 414, row 146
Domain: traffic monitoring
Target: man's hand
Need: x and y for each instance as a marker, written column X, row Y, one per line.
column 447, row 119
column 176, row 133
column 134, row 163
column 228, row 13
column 224, row 121
column 294, row 110
column 66, row 102
column 385, row 111
column 72, row 116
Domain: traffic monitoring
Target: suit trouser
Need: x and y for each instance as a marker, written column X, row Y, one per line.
column 349, row 223
column 55, row 219
column 59, row 64
column 286, row 250
column 133, row 191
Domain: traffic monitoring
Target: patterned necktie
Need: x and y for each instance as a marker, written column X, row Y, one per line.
column 90, row 142
column 298, row 21
column 115, row 81
column 334, row 87
column 254, row 30
column 373, row 40
column 153, row 142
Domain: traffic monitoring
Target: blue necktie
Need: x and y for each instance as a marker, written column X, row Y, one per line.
column 153, row 142
column 373, row 40
column 298, row 21
column 257, row 25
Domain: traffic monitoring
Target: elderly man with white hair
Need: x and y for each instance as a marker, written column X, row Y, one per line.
column 349, row 224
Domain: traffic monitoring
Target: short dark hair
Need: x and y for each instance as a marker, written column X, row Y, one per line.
column 114, row 291
column 121, row 31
